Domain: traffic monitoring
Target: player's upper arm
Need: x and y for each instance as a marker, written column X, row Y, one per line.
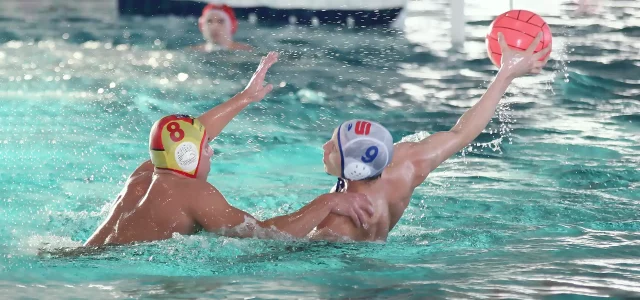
column 428, row 154
column 211, row 210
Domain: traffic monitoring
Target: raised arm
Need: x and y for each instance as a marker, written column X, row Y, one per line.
column 215, row 214
column 429, row 153
column 215, row 119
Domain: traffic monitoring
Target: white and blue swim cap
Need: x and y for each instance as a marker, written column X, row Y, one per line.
column 366, row 148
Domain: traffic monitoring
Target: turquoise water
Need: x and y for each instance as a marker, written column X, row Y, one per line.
column 544, row 204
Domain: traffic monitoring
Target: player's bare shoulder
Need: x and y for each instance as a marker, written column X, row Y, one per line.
column 145, row 171
column 400, row 168
column 201, row 192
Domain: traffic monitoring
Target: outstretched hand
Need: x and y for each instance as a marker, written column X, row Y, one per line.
column 256, row 89
column 516, row 63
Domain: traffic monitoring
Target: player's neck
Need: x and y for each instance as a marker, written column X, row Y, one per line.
column 168, row 174
column 360, row 186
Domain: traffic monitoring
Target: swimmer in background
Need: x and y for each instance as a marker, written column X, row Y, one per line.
column 586, row 7
column 170, row 194
column 362, row 155
column 218, row 24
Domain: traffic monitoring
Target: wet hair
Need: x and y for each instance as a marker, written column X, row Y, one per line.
column 372, row 179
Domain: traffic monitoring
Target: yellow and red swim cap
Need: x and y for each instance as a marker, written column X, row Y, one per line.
column 175, row 143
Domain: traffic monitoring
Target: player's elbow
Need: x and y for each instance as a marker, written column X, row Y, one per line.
column 268, row 229
column 459, row 138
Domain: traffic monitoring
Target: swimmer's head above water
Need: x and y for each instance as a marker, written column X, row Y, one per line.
column 179, row 143
column 358, row 150
column 218, row 24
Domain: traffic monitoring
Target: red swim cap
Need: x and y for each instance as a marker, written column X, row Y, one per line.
column 228, row 11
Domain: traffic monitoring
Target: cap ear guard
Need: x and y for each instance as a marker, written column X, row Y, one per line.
column 355, row 169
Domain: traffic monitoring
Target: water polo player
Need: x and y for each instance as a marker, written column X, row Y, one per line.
column 218, row 25
column 362, row 156
column 170, row 194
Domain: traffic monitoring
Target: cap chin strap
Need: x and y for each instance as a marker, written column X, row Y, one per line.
column 341, row 153
column 340, row 185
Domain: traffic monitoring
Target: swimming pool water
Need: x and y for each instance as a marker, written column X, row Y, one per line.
column 545, row 204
